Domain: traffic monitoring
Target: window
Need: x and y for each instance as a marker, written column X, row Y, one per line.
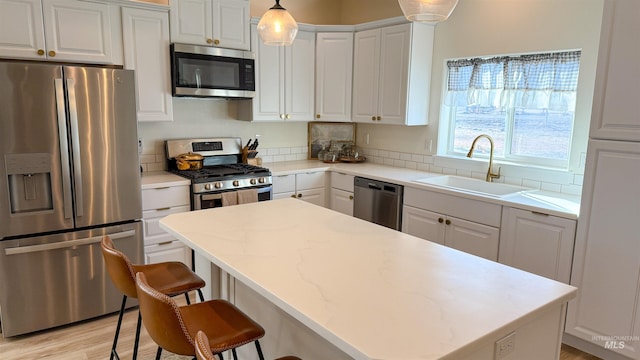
column 525, row 103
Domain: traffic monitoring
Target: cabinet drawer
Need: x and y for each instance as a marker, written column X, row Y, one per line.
column 467, row 209
column 284, row 183
column 165, row 197
column 310, row 180
column 342, row 181
column 151, row 219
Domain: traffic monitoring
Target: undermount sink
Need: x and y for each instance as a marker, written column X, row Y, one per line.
column 474, row 185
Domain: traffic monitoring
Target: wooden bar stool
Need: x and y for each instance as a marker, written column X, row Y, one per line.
column 203, row 350
column 171, row 278
column 174, row 327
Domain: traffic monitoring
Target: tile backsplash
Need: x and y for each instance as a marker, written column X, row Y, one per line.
column 538, row 178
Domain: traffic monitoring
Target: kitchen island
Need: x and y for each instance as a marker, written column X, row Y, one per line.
column 326, row 285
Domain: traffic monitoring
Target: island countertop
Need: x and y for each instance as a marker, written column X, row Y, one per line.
column 373, row 292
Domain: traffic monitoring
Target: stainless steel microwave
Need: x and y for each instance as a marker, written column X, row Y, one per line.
column 202, row 71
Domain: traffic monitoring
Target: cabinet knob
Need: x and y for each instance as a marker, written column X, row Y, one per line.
column 373, row 118
column 216, row 42
column 440, row 220
column 52, row 53
column 40, row 52
column 350, row 197
column 448, row 222
column 378, row 118
column 317, row 116
column 299, row 195
column 282, row 116
column 293, row 196
column 209, row 41
column 288, row 116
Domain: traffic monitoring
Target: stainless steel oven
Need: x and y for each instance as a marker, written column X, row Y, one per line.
column 213, row 200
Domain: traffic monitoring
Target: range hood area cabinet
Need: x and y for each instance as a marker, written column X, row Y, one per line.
column 285, row 80
column 60, row 30
column 392, row 74
column 217, row 23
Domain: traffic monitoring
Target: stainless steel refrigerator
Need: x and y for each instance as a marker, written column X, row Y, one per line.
column 69, row 174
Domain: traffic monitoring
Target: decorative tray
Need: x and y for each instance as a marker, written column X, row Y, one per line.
column 349, row 159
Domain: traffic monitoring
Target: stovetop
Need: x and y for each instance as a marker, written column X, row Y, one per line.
column 221, row 172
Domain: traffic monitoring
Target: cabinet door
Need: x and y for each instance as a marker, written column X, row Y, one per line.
column 21, row 29
column 423, row 224
column 78, row 31
column 334, row 72
column 394, row 65
column 606, row 262
column 341, row 201
column 615, row 106
column 472, row 238
column 169, row 251
column 231, row 24
column 146, row 45
column 366, row 72
column 537, row 243
column 310, row 180
column 314, row 196
column 192, row 22
column 300, row 77
column 268, row 104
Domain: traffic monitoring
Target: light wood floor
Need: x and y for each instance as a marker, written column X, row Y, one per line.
column 92, row 339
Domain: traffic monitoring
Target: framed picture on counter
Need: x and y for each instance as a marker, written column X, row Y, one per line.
column 323, row 133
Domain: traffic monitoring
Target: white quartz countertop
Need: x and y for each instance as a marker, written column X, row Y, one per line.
column 158, row 179
column 374, row 292
column 552, row 203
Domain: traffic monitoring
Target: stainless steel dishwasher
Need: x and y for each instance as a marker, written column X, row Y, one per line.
column 378, row 202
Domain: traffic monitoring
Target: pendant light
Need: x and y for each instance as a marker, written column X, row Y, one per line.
column 277, row 27
column 427, row 10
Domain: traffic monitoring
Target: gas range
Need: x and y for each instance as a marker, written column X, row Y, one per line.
column 222, row 170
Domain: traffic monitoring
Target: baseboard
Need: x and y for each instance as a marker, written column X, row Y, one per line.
column 591, row 348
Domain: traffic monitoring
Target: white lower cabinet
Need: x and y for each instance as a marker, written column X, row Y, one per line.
column 467, row 225
column 341, row 196
column 159, row 246
column 538, row 243
column 309, row 186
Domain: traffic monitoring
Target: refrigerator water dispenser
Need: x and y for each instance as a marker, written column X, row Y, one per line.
column 29, row 182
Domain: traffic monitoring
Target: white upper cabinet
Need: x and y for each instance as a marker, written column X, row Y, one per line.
column 392, row 74
column 285, row 75
column 616, row 107
column 334, row 73
column 146, row 50
column 219, row 23
column 58, row 30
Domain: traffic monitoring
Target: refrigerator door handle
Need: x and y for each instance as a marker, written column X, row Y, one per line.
column 75, row 145
column 64, row 149
column 66, row 244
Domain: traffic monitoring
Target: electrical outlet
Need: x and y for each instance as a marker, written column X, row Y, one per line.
column 505, row 346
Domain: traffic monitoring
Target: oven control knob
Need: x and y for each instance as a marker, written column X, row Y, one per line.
column 253, row 181
column 208, row 186
column 236, row 183
column 218, row 185
column 261, row 180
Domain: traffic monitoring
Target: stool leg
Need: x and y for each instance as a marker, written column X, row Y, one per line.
column 201, row 296
column 114, row 353
column 158, row 353
column 235, row 356
column 186, row 295
column 135, row 344
column 220, row 355
column 259, row 350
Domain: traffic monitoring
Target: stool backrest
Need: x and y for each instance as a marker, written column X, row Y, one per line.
column 203, row 350
column 162, row 319
column 119, row 268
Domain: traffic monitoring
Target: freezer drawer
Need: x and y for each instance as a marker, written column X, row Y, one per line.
column 59, row 279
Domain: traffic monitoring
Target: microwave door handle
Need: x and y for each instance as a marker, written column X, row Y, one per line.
column 75, row 144
column 64, row 149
